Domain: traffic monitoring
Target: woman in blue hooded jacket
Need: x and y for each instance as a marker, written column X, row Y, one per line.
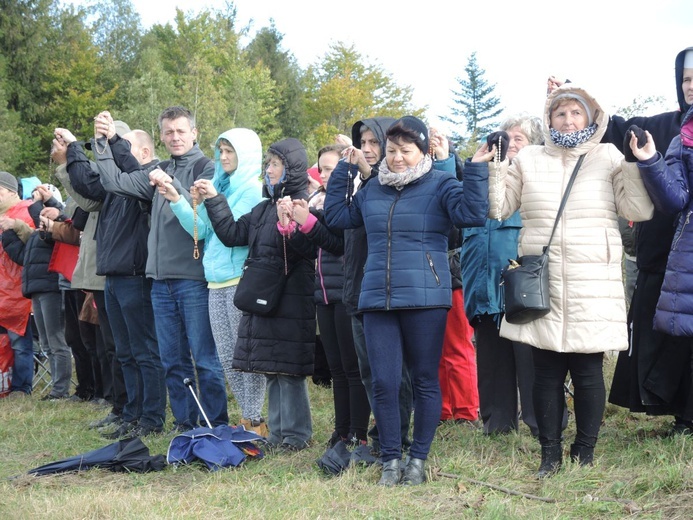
column 238, row 162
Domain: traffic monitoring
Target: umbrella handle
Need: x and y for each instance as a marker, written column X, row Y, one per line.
column 188, row 382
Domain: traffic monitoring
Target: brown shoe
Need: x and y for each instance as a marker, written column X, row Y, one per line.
column 258, row 426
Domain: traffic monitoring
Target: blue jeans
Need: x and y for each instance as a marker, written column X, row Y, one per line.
column 129, row 307
column 414, row 337
column 23, row 368
column 406, row 403
column 288, row 410
column 181, row 315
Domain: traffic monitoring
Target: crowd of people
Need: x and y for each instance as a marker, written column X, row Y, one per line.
column 159, row 275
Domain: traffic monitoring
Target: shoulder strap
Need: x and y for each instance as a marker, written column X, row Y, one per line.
column 199, row 166
column 565, row 198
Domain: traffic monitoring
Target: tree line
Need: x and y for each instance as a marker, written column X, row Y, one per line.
column 62, row 64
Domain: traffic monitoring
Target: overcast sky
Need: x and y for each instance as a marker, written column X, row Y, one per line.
column 617, row 50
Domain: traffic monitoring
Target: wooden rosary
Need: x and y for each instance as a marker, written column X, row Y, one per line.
column 193, row 194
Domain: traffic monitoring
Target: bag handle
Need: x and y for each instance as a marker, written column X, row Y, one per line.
column 564, row 199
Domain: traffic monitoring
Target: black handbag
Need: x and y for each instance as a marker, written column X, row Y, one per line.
column 261, row 285
column 525, row 281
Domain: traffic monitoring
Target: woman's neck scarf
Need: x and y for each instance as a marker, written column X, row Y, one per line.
column 573, row 139
column 400, row 180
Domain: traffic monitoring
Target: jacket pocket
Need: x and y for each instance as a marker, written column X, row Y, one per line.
column 433, row 267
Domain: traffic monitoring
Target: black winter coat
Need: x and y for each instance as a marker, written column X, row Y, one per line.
column 35, row 256
column 283, row 342
column 123, row 226
column 653, row 238
column 329, row 267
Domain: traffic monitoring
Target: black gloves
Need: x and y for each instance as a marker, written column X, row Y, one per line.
column 642, row 140
column 492, row 140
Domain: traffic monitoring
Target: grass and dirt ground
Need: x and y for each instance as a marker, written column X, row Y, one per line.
column 639, row 472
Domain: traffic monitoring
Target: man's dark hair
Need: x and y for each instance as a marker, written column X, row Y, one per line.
column 176, row 112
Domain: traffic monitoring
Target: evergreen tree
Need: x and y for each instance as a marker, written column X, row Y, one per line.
column 475, row 106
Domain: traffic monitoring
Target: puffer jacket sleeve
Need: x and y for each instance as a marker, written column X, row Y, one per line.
column 338, row 213
column 13, row 246
column 666, row 179
column 231, row 232
column 630, row 194
column 466, row 203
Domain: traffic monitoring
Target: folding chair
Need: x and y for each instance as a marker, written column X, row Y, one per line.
column 42, row 372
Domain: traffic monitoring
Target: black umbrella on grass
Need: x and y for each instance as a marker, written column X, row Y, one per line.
column 124, row 455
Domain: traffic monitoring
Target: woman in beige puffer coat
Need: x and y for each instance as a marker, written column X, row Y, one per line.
column 588, row 314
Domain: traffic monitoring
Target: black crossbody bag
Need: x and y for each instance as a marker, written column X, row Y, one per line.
column 525, row 281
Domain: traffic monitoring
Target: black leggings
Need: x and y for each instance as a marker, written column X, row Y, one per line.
column 550, row 370
column 351, row 408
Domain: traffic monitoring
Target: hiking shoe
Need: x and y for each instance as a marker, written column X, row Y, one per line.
column 681, row 428
column 50, row 397
column 143, row 430
column 127, row 429
column 180, row 428
column 287, row 447
column 111, row 418
column 75, row 398
column 17, row 394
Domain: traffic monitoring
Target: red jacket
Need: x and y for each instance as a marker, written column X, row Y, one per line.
column 15, row 309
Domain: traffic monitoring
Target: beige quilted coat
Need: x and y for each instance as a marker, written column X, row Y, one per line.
column 588, row 312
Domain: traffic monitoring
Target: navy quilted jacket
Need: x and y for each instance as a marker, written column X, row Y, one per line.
column 669, row 181
column 407, row 231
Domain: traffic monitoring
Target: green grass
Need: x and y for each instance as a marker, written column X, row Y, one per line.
column 637, row 471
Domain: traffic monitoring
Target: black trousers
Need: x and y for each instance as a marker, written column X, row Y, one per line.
column 550, row 371
column 111, row 372
column 503, row 367
column 81, row 344
column 351, row 408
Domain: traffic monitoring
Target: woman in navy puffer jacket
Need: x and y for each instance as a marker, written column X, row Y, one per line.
column 406, row 292
column 668, row 181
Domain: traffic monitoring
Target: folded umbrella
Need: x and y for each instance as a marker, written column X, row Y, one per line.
column 124, row 455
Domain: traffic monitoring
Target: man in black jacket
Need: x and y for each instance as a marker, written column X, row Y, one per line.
column 121, row 255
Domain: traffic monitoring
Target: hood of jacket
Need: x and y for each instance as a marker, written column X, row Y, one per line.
column 679, row 79
column 248, row 149
column 379, row 127
column 295, row 180
column 599, row 116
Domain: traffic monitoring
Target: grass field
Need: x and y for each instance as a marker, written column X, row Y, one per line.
column 638, row 472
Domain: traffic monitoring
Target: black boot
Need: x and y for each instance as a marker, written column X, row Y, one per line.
column 392, row 473
column 551, row 460
column 582, row 454
column 414, row 472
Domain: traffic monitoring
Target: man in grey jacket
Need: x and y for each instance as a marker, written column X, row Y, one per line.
column 179, row 290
